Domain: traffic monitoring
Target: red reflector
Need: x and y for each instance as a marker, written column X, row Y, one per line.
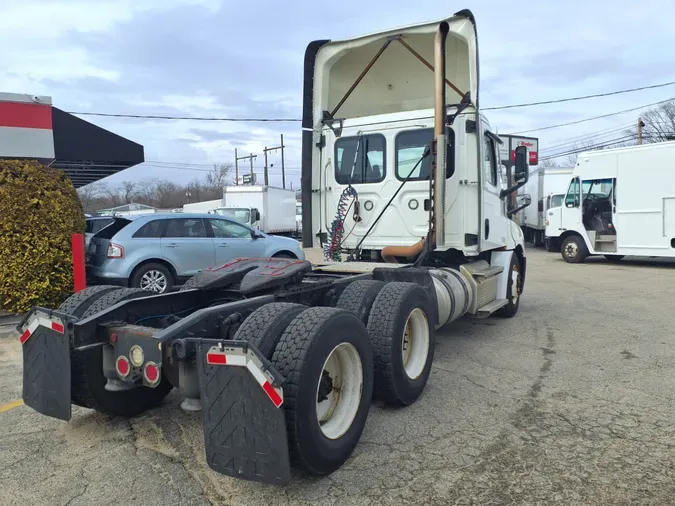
column 58, row 327
column 272, row 394
column 216, row 359
column 24, row 337
column 151, row 373
column 122, row 366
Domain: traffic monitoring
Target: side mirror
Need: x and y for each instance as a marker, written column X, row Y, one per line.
column 521, row 172
column 257, row 215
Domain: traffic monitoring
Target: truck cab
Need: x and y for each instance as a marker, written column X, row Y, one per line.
column 366, row 178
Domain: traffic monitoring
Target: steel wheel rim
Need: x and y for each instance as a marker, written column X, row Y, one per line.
column 415, row 345
column 336, row 413
column 571, row 249
column 154, row 281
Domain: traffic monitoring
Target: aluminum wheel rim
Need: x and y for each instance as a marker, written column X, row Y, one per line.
column 336, row 413
column 571, row 250
column 415, row 346
column 154, row 281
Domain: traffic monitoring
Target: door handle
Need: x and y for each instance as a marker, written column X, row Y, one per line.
column 222, row 245
column 172, row 245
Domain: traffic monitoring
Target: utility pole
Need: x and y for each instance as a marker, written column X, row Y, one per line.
column 640, row 125
column 283, row 167
column 236, row 167
column 236, row 163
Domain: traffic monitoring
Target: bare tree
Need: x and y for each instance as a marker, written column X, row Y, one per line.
column 216, row 180
column 549, row 162
column 659, row 124
column 90, row 194
column 127, row 191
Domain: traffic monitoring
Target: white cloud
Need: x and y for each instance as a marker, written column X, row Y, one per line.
column 228, row 58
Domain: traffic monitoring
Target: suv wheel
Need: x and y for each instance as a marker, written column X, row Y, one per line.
column 153, row 277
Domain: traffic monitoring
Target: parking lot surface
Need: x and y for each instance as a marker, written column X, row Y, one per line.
column 570, row 402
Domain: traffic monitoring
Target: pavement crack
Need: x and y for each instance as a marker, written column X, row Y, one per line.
column 479, row 385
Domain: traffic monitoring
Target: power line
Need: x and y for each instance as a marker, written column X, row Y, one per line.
column 594, row 117
column 583, row 138
column 269, row 120
column 584, row 97
column 604, row 144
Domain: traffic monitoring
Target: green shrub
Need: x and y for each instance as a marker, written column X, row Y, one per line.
column 39, row 212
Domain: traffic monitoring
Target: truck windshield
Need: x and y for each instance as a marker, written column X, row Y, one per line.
column 598, row 187
column 242, row 215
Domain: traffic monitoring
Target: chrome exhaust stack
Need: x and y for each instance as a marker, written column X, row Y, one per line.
column 439, row 134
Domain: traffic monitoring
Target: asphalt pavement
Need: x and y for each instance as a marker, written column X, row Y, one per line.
column 570, row 402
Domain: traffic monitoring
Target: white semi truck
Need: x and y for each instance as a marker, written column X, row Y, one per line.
column 619, row 202
column 282, row 357
column 546, row 188
column 265, row 208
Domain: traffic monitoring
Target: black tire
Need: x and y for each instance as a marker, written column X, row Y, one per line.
column 87, row 379
column 137, row 277
column 79, row 302
column 573, row 249
column 284, row 254
column 510, row 310
column 614, row 258
column 359, row 296
column 386, row 326
column 300, row 357
column 264, row 327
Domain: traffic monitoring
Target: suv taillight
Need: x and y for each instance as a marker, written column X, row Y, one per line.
column 115, row 251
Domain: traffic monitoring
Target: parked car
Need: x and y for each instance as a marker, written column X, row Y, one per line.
column 158, row 251
column 95, row 224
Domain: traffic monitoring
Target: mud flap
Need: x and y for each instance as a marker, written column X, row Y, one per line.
column 46, row 363
column 244, row 420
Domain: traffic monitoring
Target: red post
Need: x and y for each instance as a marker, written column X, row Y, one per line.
column 79, row 273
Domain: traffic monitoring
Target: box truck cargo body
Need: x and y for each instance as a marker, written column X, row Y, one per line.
column 267, row 208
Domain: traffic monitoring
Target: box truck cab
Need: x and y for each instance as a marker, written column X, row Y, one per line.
column 619, row 202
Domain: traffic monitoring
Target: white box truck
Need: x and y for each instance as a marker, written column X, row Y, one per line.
column 266, row 208
column 546, row 188
column 206, row 206
column 619, row 202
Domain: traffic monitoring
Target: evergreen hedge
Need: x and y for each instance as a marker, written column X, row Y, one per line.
column 39, row 212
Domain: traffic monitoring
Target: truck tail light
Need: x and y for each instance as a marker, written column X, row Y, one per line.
column 122, row 365
column 115, row 251
column 151, row 372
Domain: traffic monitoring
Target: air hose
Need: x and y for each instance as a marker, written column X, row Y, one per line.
column 333, row 247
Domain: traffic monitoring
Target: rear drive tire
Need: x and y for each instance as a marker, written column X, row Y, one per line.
column 325, row 354
column 403, row 342
column 265, row 326
column 359, row 296
column 153, row 277
column 87, row 379
column 79, row 302
column 614, row 258
column 514, row 288
column 573, row 249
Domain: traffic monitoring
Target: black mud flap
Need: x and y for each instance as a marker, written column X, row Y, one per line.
column 45, row 339
column 243, row 414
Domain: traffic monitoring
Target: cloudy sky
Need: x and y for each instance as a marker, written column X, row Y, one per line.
column 229, row 58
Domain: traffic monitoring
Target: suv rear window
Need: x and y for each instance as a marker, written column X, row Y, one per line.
column 96, row 225
column 117, row 225
column 152, row 229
